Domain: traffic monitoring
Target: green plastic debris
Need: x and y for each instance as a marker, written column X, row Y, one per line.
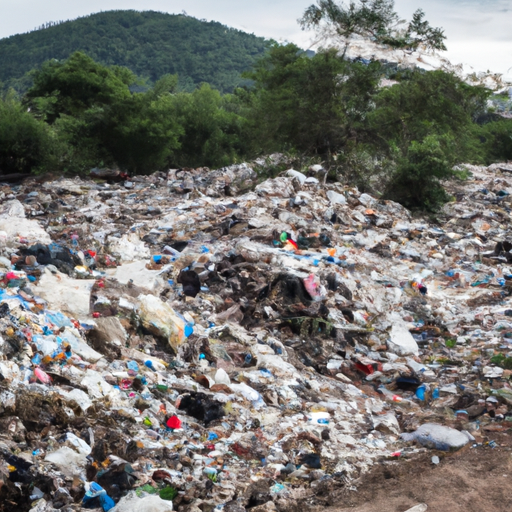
column 168, row 493
column 149, row 489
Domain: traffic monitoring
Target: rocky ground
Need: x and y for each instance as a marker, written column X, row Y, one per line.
column 203, row 340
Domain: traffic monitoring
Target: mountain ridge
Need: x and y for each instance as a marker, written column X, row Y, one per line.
column 149, row 43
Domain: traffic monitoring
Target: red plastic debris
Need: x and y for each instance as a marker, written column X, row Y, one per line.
column 174, row 422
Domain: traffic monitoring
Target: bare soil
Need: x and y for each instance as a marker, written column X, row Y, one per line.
column 472, row 480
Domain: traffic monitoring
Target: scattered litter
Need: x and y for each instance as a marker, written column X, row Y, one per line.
column 196, row 338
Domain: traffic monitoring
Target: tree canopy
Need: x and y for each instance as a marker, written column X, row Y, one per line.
column 150, row 44
column 375, row 20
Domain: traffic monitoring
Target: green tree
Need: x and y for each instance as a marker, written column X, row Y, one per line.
column 26, row 144
column 76, row 85
column 425, row 103
column 425, row 124
column 375, row 20
column 100, row 120
column 214, row 134
column 311, row 104
column 141, row 133
column 494, row 139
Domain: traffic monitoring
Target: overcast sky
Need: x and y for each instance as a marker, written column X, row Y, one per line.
column 479, row 32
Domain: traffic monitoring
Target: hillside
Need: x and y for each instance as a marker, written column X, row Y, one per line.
column 149, row 43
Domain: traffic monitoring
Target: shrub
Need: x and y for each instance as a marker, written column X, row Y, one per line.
column 26, row 144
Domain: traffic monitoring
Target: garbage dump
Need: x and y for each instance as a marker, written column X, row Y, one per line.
column 203, row 340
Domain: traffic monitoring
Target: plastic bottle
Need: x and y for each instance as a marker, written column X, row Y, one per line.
column 169, row 250
column 391, row 397
column 420, row 392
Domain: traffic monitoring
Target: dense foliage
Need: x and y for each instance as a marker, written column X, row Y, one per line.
column 150, row 44
column 399, row 142
column 26, row 145
column 310, row 104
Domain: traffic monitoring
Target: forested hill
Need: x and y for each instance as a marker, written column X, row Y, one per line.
column 149, row 43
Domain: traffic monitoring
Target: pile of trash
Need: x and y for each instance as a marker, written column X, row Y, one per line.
column 201, row 341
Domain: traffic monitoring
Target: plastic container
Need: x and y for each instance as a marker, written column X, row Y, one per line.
column 420, row 392
column 392, row 397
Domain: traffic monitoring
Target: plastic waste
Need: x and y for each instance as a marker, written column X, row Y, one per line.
column 249, row 394
column 392, row 397
column 201, row 407
column 190, row 281
column 158, row 317
column 420, row 392
column 133, row 367
column 149, row 364
column 221, row 377
column 280, row 373
column 320, row 418
column 42, row 376
column 173, row 422
column 132, row 503
column 401, row 341
column 314, row 287
column 504, row 393
column 96, row 493
column 417, row 284
column 311, row 460
column 439, row 437
column 422, row 507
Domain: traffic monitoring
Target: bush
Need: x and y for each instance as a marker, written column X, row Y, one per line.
column 416, row 183
column 496, row 139
column 26, row 144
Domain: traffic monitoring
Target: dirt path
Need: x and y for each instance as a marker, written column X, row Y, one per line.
column 472, row 480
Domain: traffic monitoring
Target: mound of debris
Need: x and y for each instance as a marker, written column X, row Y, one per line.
column 198, row 341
